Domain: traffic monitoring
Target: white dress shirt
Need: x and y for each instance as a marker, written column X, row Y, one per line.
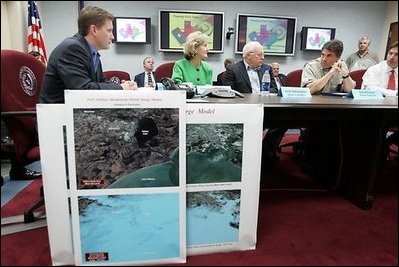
column 376, row 77
column 253, row 78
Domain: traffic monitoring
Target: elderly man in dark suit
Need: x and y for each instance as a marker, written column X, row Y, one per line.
column 279, row 78
column 246, row 75
column 75, row 63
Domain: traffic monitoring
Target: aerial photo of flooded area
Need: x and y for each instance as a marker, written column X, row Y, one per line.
column 126, row 148
column 214, row 152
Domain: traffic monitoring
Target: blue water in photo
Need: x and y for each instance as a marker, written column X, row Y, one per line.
column 209, row 226
column 130, row 227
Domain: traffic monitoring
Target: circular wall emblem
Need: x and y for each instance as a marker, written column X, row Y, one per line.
column 27, row 80
column 115, row 79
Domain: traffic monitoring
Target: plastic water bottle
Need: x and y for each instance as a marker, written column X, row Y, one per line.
column 265, row 88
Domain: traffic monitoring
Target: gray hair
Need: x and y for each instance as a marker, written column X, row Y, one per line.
column 274, row 64
column 250, row 47
column 194, row 40
column 364, row 38
column 146, row 59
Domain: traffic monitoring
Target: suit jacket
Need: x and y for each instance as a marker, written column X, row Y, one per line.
column 283, row 81
column 140, row 78
column 220, row 78
column 237, row 77
column 70, row 66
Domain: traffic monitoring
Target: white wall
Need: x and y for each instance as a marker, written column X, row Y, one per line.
column 351, row 20
column 14, row 28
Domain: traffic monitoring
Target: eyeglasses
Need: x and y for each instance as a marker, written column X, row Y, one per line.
column 261, row 54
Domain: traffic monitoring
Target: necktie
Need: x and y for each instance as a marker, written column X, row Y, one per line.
column 391, row 80
column 149, row 78
column 277, row 82
column 96, row 60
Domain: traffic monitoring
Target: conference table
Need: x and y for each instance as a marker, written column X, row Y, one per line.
column 361, row 125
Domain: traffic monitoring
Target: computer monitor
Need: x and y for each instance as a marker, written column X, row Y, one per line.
column 132, row 30
column 313, row 38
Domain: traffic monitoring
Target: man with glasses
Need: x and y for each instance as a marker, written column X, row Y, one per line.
column 246, row 75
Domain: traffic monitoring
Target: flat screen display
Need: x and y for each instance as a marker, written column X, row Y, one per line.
column 313, row 38
column 176, row 25
column 132, row 30
column 275, row 33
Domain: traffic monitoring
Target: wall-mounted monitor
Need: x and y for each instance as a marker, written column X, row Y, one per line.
column 132, row 30
column 313, row 38
column 176, row 25
column 275, row 33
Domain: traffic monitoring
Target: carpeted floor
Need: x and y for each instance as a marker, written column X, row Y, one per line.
column 299, row 223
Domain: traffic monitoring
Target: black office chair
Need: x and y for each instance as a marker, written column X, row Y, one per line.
column 390, row 145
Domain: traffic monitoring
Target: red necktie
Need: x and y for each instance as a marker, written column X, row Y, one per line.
column 391, row 80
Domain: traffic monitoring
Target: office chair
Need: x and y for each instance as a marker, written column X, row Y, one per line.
column 357, row 76
column 116, row 76
column 293, row 79
column 21, row 80
column 164, row 70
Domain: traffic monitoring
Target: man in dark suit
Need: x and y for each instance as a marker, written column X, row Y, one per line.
column 228, row 62
column 75, row 63
column 273, row 136
column 246, row 75
column 280, row 79
column 146, row 78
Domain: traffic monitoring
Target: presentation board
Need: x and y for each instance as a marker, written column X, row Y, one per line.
column 122, row 167
column 223, row 176
column 111, row 213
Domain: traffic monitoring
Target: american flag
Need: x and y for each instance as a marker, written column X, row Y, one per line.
column 35, row 34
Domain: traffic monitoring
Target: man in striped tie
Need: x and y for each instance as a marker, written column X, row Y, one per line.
column 278, row 77
column 146, row 78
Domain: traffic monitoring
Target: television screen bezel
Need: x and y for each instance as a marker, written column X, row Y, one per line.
column 147, row 29
column 305, row 33
column 164, row 30
column 240, row 40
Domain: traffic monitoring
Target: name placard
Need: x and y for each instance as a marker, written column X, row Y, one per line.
column 366, row 94
column 295, row 92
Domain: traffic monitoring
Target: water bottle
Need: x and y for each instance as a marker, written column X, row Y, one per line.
column 265, row 88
